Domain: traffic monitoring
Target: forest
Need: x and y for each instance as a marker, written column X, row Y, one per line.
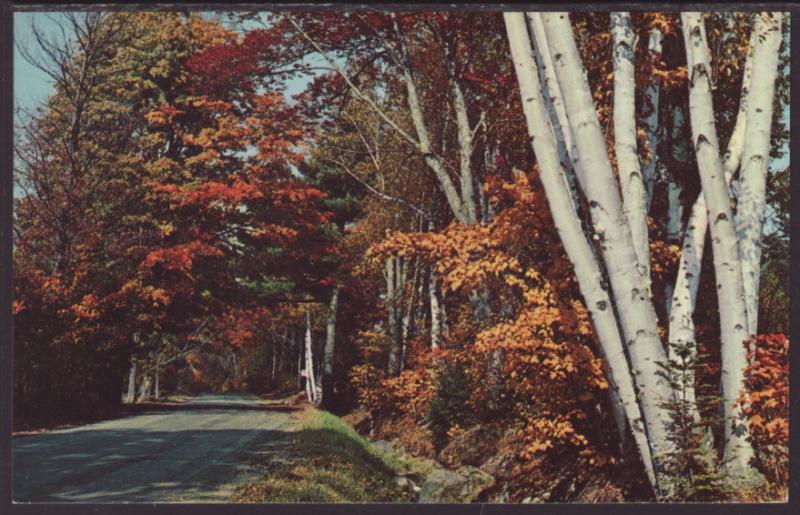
column 554, row 246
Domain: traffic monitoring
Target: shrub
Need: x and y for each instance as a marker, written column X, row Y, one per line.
column 449, row 408
column 766, row 403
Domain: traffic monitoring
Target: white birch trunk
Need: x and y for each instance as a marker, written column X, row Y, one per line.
column 727, row 265
column 452, row 195
column 634, row 192
column 393, row 322
column 311, row 387
column 568, row 225
column 145, row 388
column 687, row 282
column 408, row 314
column 652, row 92
column 131, row 394
column 436, row 311
column 684, row 297
column 629, row 281
column 464, row 153
column 299, row 362
column 766, row 38
column 157, row 374
column 567, row 150
column 553, row 97
column 422, row 143
column 733, row 155
column 274, row 364
column 409, row 317
column 330, row 347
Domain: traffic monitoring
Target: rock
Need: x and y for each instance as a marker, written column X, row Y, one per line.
column 501, row 466
column 408, row 482
column 471, row 447
column 537, row 499
column 383, row 445
column 459, row 486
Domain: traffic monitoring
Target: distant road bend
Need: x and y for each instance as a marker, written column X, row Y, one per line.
column 198, row 452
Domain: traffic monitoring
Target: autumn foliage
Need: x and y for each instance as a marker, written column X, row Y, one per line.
column 210, row 190
column 766, row 402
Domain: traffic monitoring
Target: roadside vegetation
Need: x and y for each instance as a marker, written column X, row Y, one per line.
column 329, row 463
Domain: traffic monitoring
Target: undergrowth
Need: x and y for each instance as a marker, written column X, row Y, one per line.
column 330, row 463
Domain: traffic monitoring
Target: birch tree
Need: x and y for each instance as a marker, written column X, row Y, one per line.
column 687, row 281
column 766, row 38
column 567, row 149
column 394, row 290
column 727, row 264
column 569, row 229
column 634, row 191
column 551, row 90
column 630, row 284
column 131, row 393
column 652, row 92
column 438, row 327
column 461, row 200
column 308, row 372
column 330, row 347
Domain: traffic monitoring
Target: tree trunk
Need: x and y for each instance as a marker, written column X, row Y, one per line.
column 674, row 218
column 733, row 155
column 674, row 211
column 652, row 92
column 634, row 192
column 465, row 146
column 131, row 395
column 678, row 157
column 274, row 365
column 157, row 375
column 487, row 209
column 766, row 38
column 684, row 296
column 567, row 151
column 727, row 265
column 452, row 195
column 393, row 366
column 569, row 228
column 146, row 389
column 299, row 363
column 408, row 315
column 629, row 281
column 551, row 89
column 436, row 311
column 311, row 387
column 281, row 352
column 330, row 345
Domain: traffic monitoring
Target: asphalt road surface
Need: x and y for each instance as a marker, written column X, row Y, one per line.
column 198, row 452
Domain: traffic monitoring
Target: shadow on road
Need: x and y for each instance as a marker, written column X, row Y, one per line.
column 186, row 456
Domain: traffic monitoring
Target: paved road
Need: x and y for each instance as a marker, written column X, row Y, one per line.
column 198, row 452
